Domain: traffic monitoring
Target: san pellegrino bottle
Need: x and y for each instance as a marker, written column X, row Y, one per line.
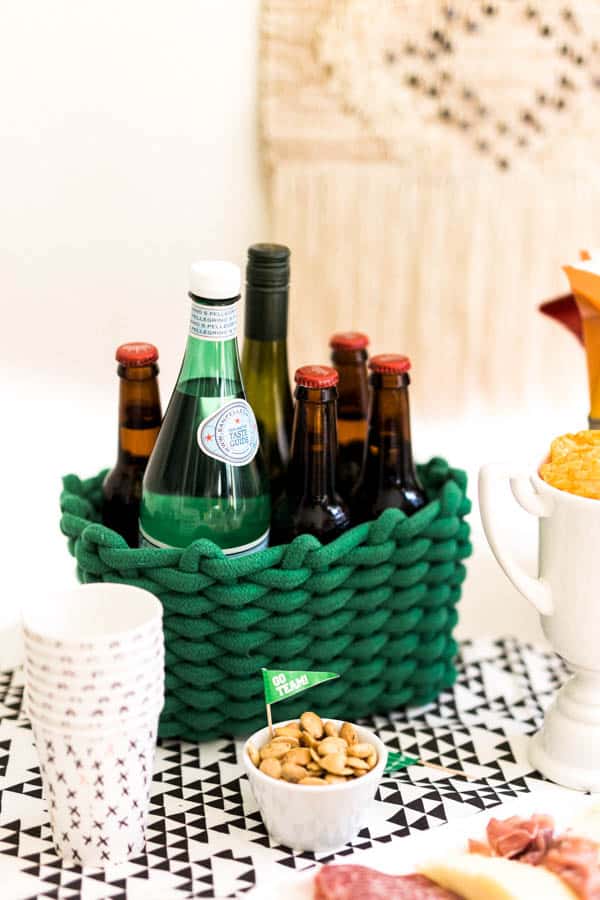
column 206, row 477
column 264, row 355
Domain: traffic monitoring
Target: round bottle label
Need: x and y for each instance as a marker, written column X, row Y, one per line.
column 230, row 434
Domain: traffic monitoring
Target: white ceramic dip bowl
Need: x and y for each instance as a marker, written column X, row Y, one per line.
column 320, row 818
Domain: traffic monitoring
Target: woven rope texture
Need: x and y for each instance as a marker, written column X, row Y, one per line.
column 377, row 606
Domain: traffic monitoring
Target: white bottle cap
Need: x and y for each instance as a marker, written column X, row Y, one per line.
column 215, row 279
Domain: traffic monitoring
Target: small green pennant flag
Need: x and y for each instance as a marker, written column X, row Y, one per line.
column 397, row 761
column 280, row 684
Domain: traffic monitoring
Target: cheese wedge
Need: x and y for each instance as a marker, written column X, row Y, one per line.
column 494, row 878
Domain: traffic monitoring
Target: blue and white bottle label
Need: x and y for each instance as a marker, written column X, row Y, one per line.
column 213, row 323
column 230, row 434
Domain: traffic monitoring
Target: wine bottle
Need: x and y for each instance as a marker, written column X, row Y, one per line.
column 264, row 355
column 206, row 477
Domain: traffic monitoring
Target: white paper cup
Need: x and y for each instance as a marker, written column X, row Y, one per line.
column 92, row 618
column 98, row 790
column 105, row 719
column 107, row 709
column 87, row 662
column 88, row 658
column 86, row 697
column 79, row 676
column 320, row 818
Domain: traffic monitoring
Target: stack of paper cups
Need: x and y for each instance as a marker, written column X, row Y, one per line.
column 94, row 665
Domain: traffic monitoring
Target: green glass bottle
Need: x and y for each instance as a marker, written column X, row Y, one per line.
column 264, row 355
column 206, row 477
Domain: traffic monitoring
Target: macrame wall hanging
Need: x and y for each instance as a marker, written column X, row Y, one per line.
column 432, row 164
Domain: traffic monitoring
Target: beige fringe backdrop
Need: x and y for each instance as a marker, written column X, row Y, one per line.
column 432, row 165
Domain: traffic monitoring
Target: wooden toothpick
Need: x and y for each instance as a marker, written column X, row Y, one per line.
column 398, row 761
column 444, row 769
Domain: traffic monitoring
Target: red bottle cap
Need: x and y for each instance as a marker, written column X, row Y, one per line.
column 349, row 340
column 136, row 353
column 389, row 364
column 316, row 377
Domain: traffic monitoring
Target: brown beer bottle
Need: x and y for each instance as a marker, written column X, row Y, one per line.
column 139, row 423
column 388, row 477
column 311, row 504
column 349, row 356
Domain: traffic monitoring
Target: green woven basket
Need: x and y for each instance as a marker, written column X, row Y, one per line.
column 377, row 606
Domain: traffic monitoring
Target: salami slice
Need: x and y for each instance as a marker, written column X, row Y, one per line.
column 361, row 883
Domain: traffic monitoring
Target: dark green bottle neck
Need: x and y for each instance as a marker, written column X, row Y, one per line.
column 266, row 317
column 270, row 356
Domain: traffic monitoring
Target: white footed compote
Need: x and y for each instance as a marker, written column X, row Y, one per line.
column 566, row 594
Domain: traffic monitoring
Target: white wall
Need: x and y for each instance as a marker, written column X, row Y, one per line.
column 128, row 147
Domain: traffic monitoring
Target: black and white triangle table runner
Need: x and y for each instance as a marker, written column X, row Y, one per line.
column 205, row 836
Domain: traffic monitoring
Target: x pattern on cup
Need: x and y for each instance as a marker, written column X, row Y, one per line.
column 85, row 794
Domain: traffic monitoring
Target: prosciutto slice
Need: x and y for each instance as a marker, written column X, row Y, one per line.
column 362, row 883
column 527, row 840
column 573, row 859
